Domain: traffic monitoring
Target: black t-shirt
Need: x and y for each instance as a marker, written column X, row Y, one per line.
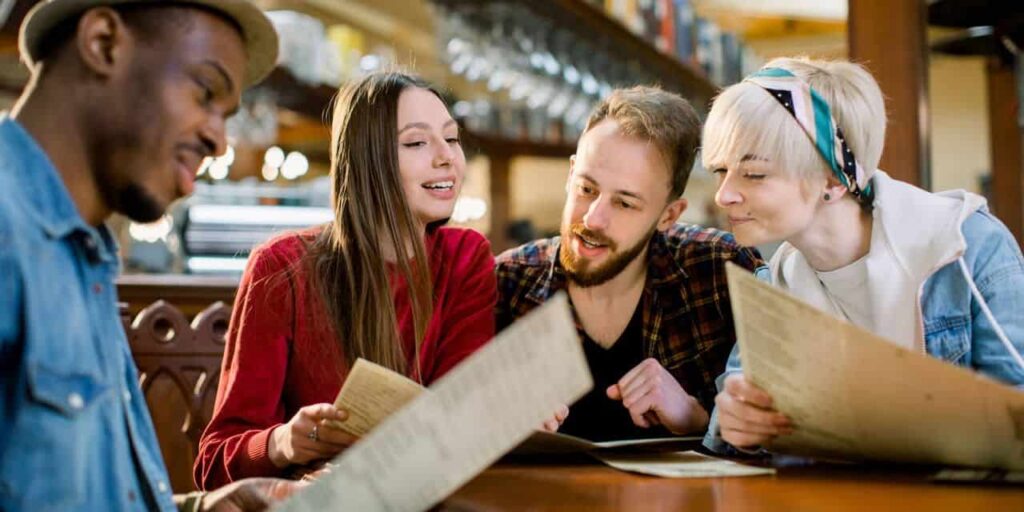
column 597, row 417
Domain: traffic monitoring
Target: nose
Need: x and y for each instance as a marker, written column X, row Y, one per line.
column 727, row 195
column 214, row 136
column 445, row 155
column 596, row 218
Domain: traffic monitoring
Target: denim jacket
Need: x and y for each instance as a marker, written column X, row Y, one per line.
column 953, row 326
column 75, row 432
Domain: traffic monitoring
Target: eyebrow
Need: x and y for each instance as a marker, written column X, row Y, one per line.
column 227, row 80
column 626, row 193
column 748, row 157
column 424, row 126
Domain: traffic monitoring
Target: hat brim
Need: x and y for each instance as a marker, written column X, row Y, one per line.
column 261, row 42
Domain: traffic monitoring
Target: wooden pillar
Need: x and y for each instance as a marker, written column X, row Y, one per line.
column 889, row 38
column 501, row 202
column 1005, row 135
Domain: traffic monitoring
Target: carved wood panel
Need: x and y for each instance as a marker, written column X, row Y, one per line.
column 179, row 367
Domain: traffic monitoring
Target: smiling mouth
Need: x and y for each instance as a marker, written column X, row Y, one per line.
column 440, row 185
column 590, row 244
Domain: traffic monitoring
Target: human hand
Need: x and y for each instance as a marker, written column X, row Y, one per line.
column 554, row 422
column 654, row 397
column 308, row 436
column 745, row 414
column 250, row 495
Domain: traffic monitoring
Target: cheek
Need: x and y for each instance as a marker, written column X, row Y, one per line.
column 410, row 167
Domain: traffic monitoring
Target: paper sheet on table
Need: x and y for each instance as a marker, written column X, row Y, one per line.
column 370, row 394
column 854, row 395
column 542, row 442
column 688, row 464
column 471, row 416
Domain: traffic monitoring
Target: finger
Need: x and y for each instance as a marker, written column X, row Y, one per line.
column 737, row 414
column 652, row 417
column 562, row 413
column 324, row 411
column 638, row 414
column 282, row 489
column 638, row 393
column 739, row 387
column 637, row 375
column 551, row 425
column 614, row 392
column 743, row 439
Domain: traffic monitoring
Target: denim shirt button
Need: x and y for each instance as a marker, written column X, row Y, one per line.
column 127, row 395
column 75, row 401
column 161, row 486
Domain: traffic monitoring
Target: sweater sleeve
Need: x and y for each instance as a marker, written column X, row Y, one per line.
column 249, row 404
column 468, row 316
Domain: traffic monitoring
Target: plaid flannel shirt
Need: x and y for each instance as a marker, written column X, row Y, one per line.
column 687, row 318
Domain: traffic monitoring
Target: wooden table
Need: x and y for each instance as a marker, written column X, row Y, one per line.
column 594, row 488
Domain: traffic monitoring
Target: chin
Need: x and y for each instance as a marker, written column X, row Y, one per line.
column 139, row 204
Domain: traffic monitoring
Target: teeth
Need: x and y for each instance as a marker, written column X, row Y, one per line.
column 588, row 243
column 440, row 185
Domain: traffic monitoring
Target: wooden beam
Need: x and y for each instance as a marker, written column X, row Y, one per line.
column 889, row 38
column 501, row 202
column 1005, row 135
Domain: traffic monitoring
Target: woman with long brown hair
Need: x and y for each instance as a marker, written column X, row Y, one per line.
column 383, row 281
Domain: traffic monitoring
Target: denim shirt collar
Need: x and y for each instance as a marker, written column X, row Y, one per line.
column 48, row 197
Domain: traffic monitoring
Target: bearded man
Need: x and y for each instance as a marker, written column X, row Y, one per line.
column 649, row 294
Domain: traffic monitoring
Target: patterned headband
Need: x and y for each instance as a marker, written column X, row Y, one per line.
column 813, row 114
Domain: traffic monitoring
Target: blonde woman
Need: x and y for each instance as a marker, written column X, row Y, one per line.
column 795, row 148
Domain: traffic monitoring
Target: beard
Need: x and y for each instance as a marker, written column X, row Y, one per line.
column 133, row 201
column 579, row 269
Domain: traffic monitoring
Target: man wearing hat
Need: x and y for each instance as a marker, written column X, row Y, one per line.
column 125, row 100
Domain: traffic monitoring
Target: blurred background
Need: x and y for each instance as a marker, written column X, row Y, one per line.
column 522, row 76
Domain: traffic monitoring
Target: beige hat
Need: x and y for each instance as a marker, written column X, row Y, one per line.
column 260, row 36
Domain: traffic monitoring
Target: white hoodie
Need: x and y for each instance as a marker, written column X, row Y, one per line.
column 914, row 233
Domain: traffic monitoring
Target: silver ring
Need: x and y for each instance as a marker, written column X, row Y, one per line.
column 315, row 434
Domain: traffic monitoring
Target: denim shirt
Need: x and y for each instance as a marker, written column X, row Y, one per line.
column 955, row 328
column 75, row 432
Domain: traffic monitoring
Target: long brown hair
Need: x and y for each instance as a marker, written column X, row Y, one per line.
column 370, row 213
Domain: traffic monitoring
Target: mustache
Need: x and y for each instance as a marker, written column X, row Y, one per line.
column 594, row 236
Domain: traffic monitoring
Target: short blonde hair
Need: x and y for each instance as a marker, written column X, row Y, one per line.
column 663, row 118
column 745, row 121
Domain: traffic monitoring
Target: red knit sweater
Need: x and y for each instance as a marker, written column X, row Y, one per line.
column 282, row 353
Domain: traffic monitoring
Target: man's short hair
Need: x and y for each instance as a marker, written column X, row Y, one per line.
column 663, row 118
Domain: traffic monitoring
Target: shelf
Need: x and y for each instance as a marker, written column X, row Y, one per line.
column 312, row 102
column 581, row 16
column 504, row 147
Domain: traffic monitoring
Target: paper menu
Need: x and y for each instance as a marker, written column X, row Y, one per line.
column 471, row 416
column 854, row 395
column 689, row 464
column 370, row 394
column 551, row 443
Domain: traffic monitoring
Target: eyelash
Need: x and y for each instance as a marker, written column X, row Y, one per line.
column 751, row 176
column 449, row 140
column 587, row 190
column 206, row 93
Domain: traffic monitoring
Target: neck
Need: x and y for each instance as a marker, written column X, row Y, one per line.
column 58, row 131
column 621, row 287
column 839, row 235
column 389, row 249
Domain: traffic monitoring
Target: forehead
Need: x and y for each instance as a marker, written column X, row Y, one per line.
column 417, row 105
column 620, row 161
column 207, row 37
